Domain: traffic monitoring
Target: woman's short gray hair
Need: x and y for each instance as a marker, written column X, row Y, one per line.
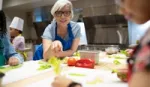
column 60, row 4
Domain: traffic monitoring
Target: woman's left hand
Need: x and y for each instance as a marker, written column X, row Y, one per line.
column 13, row 61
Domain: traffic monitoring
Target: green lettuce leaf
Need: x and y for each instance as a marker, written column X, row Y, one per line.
column 56, row 64
column 95, row 81
column 124, row 52
column 6, row 69
column 43, row 65
column 76, row 74
column 116, row 62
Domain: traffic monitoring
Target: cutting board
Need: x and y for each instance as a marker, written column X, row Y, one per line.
column 86, row 75
column 27, row 70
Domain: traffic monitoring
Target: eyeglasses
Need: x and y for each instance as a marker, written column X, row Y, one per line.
column 60, row 13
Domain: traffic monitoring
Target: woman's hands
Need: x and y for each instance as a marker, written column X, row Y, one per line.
column 56, row 46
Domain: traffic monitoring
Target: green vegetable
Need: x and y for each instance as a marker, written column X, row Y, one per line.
column 43, row 65
column 95, row 81
column 76, row 74
column 116, row 62
column 2, row 67
column 15, row 67
column 42, row 62
column 6, row 69
column 56, row 64
column 76, row 54
column 114, row 71
column 117, row 57
column 124, row 52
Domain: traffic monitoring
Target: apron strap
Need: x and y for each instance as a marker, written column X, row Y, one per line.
column 66, row 43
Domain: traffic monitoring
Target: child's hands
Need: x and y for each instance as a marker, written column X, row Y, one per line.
column 129, row 51
column 13, row 61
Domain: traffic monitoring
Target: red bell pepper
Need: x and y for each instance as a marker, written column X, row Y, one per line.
column 85, row 63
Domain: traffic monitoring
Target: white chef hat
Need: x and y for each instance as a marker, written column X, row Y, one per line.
column 17, row 23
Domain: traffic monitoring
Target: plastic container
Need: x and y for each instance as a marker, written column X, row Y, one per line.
column 94, row 55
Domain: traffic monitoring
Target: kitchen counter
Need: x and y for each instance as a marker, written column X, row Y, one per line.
column 29, row 76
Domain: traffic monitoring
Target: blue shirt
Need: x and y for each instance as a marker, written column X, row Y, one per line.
column 8, row 50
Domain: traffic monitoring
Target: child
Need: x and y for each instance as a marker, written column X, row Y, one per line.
column 18, row 41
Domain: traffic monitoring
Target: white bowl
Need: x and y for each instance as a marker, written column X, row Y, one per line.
column 111, row 50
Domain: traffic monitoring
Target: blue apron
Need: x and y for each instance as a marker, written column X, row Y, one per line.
column 67, row 44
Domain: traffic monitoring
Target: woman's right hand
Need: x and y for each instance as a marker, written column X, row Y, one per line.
column 56, row 46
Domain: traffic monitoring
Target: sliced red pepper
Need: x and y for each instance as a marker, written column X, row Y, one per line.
column 85, row 63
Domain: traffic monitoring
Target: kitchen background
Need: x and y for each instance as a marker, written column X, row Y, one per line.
column 103, row 24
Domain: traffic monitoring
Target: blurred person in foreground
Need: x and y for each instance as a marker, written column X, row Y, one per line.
column 139, row 64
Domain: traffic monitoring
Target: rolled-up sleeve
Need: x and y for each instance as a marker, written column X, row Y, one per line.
column 9, row 50
column 76, row 30
column 78, row 34
column 47, row 33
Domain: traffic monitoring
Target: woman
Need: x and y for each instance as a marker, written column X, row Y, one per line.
column 61, row 37
column 8, row 54
column 18, row 41
column 139, row 64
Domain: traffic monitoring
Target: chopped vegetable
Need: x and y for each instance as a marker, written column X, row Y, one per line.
column 124, row 52
column 114, row 71
column 2, row 67
column 71, row 62
column 95, row 81
column 76, row 54
column 43, row 65
column 76, row 74
column 118, row 56
column 85, row 63
column 116, row 62
column 56, row 64
column 42, row 62
column 6, row 69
